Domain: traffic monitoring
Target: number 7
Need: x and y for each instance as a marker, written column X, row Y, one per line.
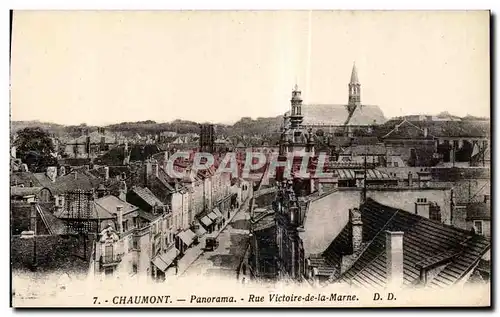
column 95, row 300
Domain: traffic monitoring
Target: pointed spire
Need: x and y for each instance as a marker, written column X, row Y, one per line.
column 296, row 87
column 354, row 75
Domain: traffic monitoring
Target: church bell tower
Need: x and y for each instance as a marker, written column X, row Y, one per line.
column 354, row 91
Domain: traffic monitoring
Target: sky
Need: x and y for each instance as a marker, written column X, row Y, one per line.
column 104, row 67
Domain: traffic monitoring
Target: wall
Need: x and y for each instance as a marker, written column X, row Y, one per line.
column 54, row 253
column 405, row 198
column 325, row 218
column 185, row 210
column 177, row 210
column 459, row 217
column 208, row 193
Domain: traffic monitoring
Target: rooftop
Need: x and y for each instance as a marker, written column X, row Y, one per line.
column 336, row 115
column 423, row 239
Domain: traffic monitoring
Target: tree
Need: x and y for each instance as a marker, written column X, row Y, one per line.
column 34, row 146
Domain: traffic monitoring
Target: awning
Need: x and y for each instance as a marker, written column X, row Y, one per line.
column 200, row 231
column 212, row 216
column 164, row 260
column 217, row 212
column 206, row 221
column 187, row 237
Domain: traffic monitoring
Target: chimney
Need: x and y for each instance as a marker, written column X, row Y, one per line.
column 396, row 128
column 119, row 213
column 33, row 217
column 394, row 258
column 24, row 167
column 76, row 175
column 13, row 152
column 357, row 229
column 426, row 132
column 52, row 173
column 106, row 172
column 410, row 179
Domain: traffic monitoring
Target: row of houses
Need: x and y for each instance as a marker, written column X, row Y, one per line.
column 141, row 220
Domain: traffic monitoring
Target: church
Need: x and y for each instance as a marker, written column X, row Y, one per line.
column 341, row 119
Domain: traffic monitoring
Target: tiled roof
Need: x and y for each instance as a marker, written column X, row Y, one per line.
column 407, row 130
column 423, row 239
column 336, row 115
column 110, row 203
column 367, row 115
column 83, row 180
column 148, row 197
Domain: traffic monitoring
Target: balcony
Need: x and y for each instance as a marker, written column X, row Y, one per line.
column 113, row 260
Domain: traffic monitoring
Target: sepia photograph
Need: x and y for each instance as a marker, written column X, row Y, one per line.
column 286, row 158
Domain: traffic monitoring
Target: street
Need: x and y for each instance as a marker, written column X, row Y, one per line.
column 224, row 260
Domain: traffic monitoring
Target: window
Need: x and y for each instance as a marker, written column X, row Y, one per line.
column 478, row 226
column 396, row 164
column 421, row 200
column 134, row 268
column 135, row 243
column 108, row 253
column 125, row 225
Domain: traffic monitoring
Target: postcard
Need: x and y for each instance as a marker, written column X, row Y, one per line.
column 250, row 159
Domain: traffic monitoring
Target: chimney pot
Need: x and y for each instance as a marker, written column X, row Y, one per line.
column 394, row 258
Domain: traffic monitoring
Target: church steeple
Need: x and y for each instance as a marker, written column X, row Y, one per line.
column 354, row 89
column 296, row 116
